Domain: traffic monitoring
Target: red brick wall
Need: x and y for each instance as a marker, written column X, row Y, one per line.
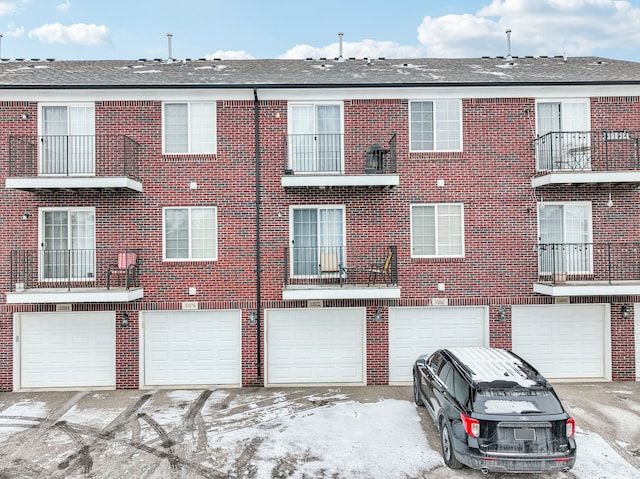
column 491, row 176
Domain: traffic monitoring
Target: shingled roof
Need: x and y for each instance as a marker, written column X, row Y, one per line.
column 315, row 73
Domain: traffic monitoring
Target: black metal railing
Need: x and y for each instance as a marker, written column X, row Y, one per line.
column 330, row 265
column 73, row 155
column 612, row 150
column 603, row 262
column 73, row 268
column 324, row 154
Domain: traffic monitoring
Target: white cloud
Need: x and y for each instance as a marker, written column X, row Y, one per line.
column 539, row 27
column 362, row 49
column 64, row 7
column 7, row 8
column 14, row 31
column 78, row 34
column 229, row 55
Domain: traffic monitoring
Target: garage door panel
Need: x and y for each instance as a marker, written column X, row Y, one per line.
column 67, row 350
column 416, row 331
column 192, row 347
column 315, row 346
column 561, row 341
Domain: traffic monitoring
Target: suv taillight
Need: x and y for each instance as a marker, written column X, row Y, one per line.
column 471, row 426
column 570, row 427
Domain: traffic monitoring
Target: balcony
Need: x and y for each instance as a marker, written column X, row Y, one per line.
column 588, row 269
column 73, row 162
column 74, row 276
column 587, row 157
column 327, row 273
column 320, row 161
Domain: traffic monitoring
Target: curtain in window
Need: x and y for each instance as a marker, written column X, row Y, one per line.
column 315, row 143
column 422, row 137
column 176, row 128
column 176, row 233
column 566, row 142
column 203, row 222
column 329, row 148
column 565, row 237
column 437, row 230
column 68, row 141
column 202, row 127
column 68, row 240
column 316, row 231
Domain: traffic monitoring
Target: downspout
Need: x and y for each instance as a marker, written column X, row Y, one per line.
column 256, row 120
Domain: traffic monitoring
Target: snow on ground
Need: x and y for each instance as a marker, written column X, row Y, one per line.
column 311, row 436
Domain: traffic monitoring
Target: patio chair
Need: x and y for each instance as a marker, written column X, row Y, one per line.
column 381, row 269
column 125, row 271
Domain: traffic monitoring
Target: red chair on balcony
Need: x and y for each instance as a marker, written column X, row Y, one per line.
column 124, row 272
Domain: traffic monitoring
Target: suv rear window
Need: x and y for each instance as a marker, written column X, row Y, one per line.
column 516, row 401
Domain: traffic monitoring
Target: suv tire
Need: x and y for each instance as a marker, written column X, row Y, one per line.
column 447, row 447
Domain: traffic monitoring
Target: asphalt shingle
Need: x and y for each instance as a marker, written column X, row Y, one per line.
column 308, row 73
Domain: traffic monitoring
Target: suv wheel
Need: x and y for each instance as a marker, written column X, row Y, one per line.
column 416, row 392
column 447, row 447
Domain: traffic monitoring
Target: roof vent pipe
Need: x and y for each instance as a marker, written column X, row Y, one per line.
column 0, row 45
column 340, row 57
column 508, row 32
column 169, row 36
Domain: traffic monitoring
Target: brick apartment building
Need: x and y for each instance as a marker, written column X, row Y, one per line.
column 279, row 222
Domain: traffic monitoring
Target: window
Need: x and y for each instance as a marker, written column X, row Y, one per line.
column 564, row 140
column 565, row 233
column 189, row 128
column 315, row 138
column 317, row 234
column 67, row 139
column 435, row 125
column 190, row 233
column 67, row 239
column 437, row 230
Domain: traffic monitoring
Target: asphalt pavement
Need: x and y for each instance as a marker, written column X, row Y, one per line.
column 226, row 433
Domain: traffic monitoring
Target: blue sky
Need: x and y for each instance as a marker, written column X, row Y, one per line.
column 133, row 29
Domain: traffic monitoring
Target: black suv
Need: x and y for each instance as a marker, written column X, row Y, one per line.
column 494, row 411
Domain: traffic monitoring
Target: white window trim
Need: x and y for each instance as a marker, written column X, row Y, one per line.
column 42, row 105
column 434, row 101
column 41, row 238
column 461, row 205
column 562, row 101
column 189, row 259
column 587, row 204
column 340, row 104
column 316, row 207
column 189, row 103
column 589, row 207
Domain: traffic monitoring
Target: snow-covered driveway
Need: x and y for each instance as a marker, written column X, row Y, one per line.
column 370, row 432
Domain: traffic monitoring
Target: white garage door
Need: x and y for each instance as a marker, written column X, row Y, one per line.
column 67, row 350
column 192, row 348
column 562, row 341
column 321, row 346
column 416, row 331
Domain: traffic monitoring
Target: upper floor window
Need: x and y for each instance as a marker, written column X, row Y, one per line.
column 189, row 128
column 315, row 138
column 67, row 139
column 437, row 230
column 564, row 139
column 435, row 125
column 190, row 233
